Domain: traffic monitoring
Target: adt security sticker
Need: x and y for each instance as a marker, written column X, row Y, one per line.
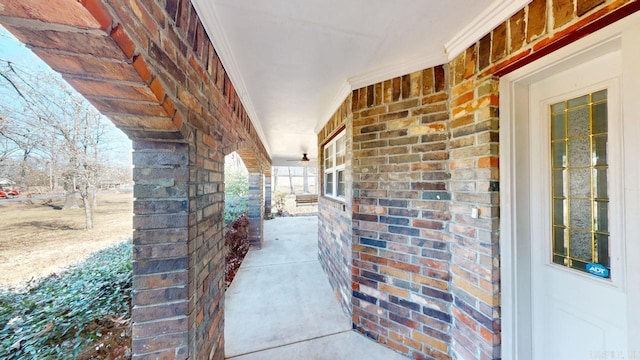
column 598, row 270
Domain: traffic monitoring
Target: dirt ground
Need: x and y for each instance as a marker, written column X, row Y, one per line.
column 37, row 239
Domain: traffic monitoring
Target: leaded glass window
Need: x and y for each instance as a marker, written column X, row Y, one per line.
column 579, row 181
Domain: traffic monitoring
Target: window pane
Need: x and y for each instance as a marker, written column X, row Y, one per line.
column 340, row 150
column 578, row 121
column 601, row 214
column 580, row 183
column 558, row 108
column 558, row 212
column 580, row 214
column 559, row 247
column 600, row 150
column 600, row 183
column 580, row 245
column 558, row 128
column 559, row 154
column 600, row 118
column 602, row 243
column 341, row 183
column 560, row 260
column 600, row 95
column 558, row 183
column 579, row 264
column 328, row 184
column 579, row 153
column 580, row 219
column 328, row 157
column 582, row 100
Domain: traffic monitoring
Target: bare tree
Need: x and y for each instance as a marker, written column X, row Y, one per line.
column 18, row 143
column 54, row 123
column 292, row 191
column 82, row 136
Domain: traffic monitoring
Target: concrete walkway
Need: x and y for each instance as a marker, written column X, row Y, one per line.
column 280, row 304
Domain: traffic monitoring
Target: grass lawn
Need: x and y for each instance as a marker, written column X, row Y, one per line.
column 37, row 238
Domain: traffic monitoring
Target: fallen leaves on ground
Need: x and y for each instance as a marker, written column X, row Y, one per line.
column 115, row 342
column 237, row 244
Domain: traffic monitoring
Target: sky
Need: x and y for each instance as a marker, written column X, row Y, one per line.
column 14, row 51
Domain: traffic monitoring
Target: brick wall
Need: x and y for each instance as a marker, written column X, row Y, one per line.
column 150, row 67
column 538, row 29
column 334, row 217
column 425, row 272
column 161, row 249
column 401, row 291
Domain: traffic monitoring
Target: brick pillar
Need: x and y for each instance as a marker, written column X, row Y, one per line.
column 206, row 251
column 160, row 251
column 256, row 208
column 474, row 182
column 267, row 196
column 401, row 260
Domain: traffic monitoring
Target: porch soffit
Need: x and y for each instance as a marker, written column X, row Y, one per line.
column 293, row 62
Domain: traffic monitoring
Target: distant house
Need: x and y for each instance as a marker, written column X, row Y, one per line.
column 110, row 184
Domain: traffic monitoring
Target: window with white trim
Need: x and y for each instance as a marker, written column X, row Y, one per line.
column 334, row 158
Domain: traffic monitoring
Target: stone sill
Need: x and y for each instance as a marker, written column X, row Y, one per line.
column 333, row 203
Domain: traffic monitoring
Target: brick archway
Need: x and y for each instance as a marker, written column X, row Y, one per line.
column 150, row 67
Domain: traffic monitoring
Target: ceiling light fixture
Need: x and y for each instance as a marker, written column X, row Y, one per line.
column 305, row 160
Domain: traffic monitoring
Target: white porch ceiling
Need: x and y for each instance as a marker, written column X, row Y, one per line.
column 293, row 62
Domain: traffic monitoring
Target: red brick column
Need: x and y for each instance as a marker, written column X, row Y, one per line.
column 267, row 196
column 256, row 209
column 160, row 253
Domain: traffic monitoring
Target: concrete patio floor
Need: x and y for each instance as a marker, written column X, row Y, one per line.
column 280, row 304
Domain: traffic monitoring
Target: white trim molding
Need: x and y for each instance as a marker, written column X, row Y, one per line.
column 337, row 101
column 219, row 41
column 375, row 76
column 483, row 24
column 389, row 72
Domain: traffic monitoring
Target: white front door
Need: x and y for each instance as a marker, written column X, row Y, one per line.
column 578, row 301
column 570, row 201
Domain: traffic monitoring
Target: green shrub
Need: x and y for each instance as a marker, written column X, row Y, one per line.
column 236, row 195
column 234, row 207
column 57, row 317
column 280, row 203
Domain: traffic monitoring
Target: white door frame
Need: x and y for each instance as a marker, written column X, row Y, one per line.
column 515, row 260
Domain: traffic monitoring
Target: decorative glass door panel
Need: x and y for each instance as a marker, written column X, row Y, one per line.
column 579, row 184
